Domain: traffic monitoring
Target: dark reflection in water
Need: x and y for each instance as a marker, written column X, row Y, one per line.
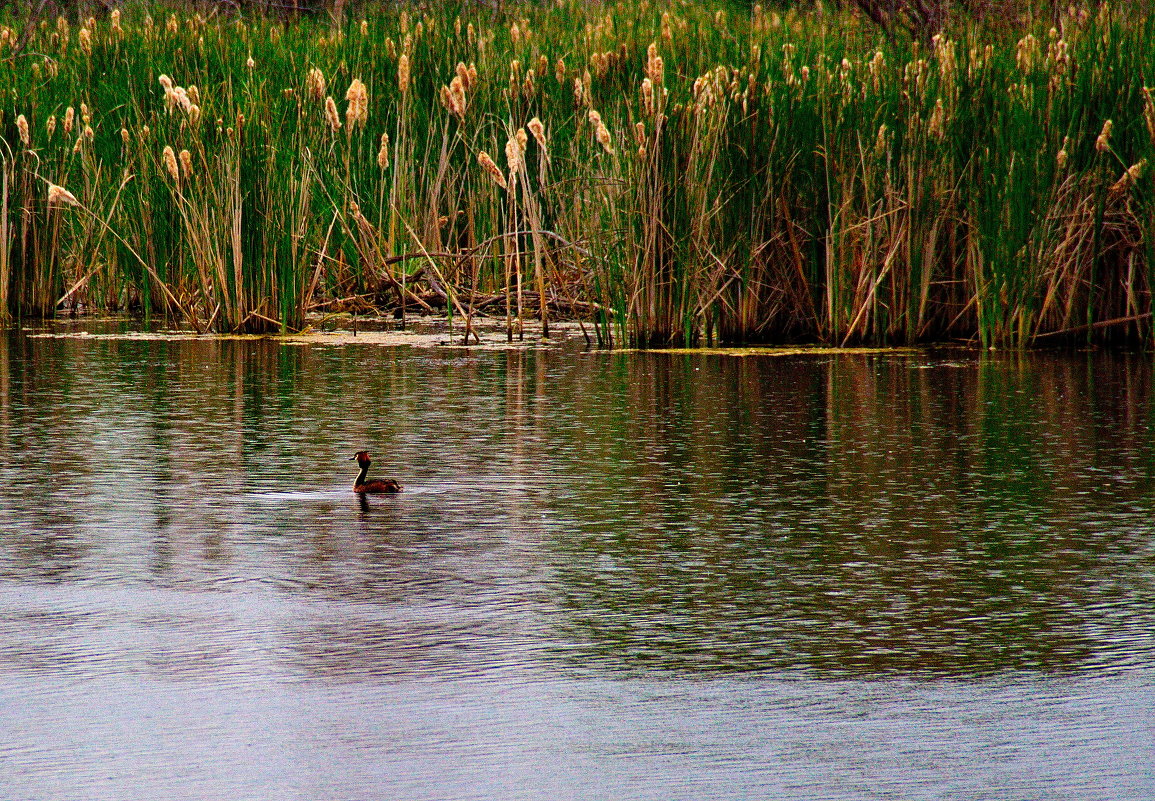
column 581, row 523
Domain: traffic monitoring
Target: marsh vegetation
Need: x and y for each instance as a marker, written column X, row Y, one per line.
column 697, row 174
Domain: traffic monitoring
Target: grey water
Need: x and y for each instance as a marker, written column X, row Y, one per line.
column 610, row 575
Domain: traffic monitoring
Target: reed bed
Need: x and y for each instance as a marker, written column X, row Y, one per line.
column 697, row 174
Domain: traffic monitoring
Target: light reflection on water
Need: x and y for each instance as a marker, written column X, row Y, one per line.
column 609, row 575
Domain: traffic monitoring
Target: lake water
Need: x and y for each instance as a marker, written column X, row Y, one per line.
column 610, row 576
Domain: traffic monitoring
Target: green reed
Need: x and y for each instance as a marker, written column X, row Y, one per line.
column 718, row 174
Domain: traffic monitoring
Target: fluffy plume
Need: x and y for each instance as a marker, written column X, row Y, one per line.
column 492, row 169
column 538, row 130
column 403, row 73
column 383, row 152
column 331, row 115
column 315, row 85
column 1103, row 142
column 59, row 196
column 168, row 156
column 357, row 112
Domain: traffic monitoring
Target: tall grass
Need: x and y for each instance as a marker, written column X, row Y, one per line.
column 698, row 174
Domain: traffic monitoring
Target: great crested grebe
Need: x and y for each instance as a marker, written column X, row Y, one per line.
column 377, row 485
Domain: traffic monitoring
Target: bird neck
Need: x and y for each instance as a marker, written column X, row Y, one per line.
column 361, row 476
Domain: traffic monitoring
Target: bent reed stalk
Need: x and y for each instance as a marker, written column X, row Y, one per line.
column 735, row 175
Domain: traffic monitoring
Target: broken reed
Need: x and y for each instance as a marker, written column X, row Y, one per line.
column 717, row 174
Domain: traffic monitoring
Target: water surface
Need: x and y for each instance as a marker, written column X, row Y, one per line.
column 610, row 575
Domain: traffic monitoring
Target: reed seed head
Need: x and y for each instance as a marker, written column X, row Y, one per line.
column 604, row 139
column 124, row 136
column 457, row 100
column 186, row 163
column 59, row 196
column 22, row 128
column 538, row 130
column 513, row 153
column 50, row 126
column 357, row 111
column 1103, row 142
column 84, row 41
column 168, row 156
column 249, row 63
column 492, row 169
column 648, row 96
column 315, row 85
column 331, row 115
column 403, row 73
column 383, row 152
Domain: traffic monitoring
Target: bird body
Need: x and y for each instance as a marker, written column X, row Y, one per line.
column 378, row 485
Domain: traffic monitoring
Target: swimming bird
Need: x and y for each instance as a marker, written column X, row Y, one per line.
column 376, row 485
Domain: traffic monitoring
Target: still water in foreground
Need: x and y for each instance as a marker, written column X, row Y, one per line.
column 620, row 576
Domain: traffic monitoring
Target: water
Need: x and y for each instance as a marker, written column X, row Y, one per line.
column 628, row 576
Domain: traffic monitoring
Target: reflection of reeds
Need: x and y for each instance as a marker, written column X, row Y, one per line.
column 771, row 183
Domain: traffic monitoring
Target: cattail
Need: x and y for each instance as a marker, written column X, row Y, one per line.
column 514, row 33
column 654, row 65
column 169, row 158
column 180, row 96
column 492, row 169
column 69, row 119
column 22, row 128
column 249, row 63
column 463, row 73
column 364, row 27
column 513, row 155
column 880, row 141
column 59, row 196
column 79, row 144
column 472, row 70
column 559, row 71
column 172, row 26
column 1128, row 179
column 84, row 41
column 1149, row 113
column 85, row 116
column 1103, row 142
column 186, row 163
column 538, row 130
column 595, row 118
column 640, row 132
column 604, row 138
column 315, row 84
column 457, row 97
column 194, row 95
column 357, row 112
column 648, row 95
column 124, row 136
column 937, row 118
column 331, row 114
column 50, row 126
column 194, row 114
column 403, row 73
column 115, row 18
column 383, row 152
